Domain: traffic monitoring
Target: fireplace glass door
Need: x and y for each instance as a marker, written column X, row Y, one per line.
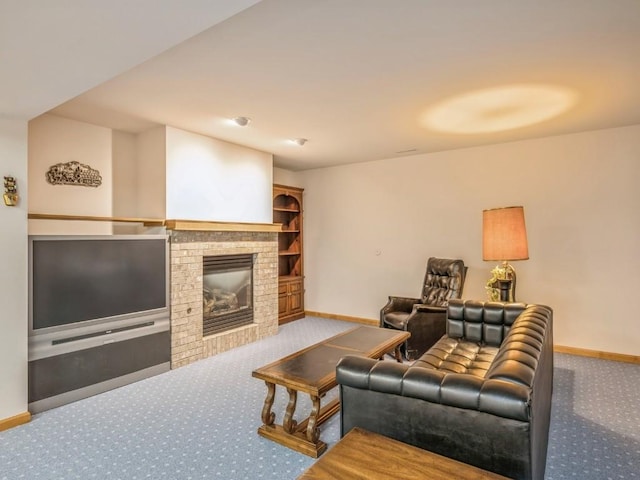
column 227, row 292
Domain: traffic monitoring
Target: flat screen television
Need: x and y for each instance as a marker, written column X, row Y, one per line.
column 86, row 280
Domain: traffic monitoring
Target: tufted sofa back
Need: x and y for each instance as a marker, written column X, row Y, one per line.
column 444, row 280
column 485, row 322
column 517, row 329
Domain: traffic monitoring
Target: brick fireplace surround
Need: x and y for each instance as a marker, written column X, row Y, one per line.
column 187, row 250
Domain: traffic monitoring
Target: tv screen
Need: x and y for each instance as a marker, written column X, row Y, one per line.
column 77, row 279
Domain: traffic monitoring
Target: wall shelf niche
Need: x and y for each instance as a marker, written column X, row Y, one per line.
column 287, row 211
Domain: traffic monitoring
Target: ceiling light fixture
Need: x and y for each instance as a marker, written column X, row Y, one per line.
column 299, row 141
column 242, row 121
column 498, row 109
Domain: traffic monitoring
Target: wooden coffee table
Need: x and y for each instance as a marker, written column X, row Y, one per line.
column 362, row 455
column 313, row 371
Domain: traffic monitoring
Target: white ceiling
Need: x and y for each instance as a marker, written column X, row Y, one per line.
column 353, row 77
column 53, row 50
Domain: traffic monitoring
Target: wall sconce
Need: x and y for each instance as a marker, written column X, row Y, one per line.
column 504, row 238
column 10, row 192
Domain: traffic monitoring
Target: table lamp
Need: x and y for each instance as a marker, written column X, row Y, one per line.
column 504, row 238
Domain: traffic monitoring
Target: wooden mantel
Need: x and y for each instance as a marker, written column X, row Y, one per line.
column 184, row 225
column 200, row 225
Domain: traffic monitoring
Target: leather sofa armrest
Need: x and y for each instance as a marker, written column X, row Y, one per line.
column 370, row 374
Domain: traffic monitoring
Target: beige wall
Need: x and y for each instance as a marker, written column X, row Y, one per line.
column 370, row 227
column 124, row 173
column 286, row 177
column 151, row 175
column 13, row 274
column 54, row 140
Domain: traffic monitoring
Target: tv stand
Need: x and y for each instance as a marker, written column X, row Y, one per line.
column 85, row 363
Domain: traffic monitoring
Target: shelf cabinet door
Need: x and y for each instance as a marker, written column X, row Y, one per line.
column 283, row 299
column 295, row 296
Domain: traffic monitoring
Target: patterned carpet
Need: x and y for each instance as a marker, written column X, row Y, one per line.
column 200, row 421
column 595, row 420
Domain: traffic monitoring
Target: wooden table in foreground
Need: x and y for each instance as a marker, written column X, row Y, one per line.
column 363, row 455
column 313, row 371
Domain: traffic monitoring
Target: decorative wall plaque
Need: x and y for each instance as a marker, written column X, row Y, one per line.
column 73, row 173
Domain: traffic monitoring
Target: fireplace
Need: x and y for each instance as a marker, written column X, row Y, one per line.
column 189, row 248
column 227, row 292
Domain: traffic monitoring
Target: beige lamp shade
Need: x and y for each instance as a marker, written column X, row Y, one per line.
column 504, row 234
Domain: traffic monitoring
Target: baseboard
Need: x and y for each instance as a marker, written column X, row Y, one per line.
column 346, row 318
column 583, row 352
column 14, row 421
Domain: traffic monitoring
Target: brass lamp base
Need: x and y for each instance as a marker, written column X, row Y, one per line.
column 509, row 289
column 502, row 286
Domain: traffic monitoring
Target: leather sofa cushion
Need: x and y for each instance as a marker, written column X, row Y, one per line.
column 457, row 355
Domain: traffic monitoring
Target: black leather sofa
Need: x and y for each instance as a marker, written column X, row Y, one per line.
column 480, row 395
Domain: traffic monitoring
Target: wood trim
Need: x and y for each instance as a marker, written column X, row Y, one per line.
column 14, row 421
column 149, row 222
column 199, row 225
column 346, row 318
column 188, row 225
column 288, row 188
column 583, row 352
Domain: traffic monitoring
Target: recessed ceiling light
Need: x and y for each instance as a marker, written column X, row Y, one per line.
column 242, row 121
column 498, row 109
column 299, row 141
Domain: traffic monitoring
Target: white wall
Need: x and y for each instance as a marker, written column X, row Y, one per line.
column 370, row 227
column 54, row 140
column 208, row 179
column 13, row 276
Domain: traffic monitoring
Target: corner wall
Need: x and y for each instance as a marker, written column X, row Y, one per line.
column 13, row 279
column 370, row 227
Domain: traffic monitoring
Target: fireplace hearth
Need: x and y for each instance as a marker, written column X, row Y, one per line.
column 227, row 292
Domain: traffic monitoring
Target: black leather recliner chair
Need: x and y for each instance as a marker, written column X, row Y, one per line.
column 424, row 317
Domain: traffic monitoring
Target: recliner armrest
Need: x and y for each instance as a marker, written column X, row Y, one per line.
column 400, row 304
column 429, row 308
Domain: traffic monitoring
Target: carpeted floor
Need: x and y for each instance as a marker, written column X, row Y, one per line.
column 200, row 421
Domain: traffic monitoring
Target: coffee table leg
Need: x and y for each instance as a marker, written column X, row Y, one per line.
column 289, row 424
column 268, row 416
column 313, row 432
column 398, row 354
